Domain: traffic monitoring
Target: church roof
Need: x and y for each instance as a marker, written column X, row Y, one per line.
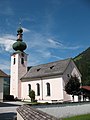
column 49, row 69
column 2, row 74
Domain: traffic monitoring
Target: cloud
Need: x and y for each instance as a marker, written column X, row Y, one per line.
column 6, row 42
column 57, row 57
column 71, row 48
column 41, row 47
column 54, row 44
column 44, row 48
column 44, row 53
column 25, row 30
column 41, row 42
column 5, row 65
column 5, row 68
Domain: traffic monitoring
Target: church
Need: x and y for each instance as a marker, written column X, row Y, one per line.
column 47, row 80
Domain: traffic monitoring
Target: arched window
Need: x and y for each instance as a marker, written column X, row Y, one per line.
column 14, row 60
column 48, row 89
column 22, row 60
column 29, row 87
column 38, row 89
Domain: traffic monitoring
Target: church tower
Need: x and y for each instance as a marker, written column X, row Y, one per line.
column 18, row 65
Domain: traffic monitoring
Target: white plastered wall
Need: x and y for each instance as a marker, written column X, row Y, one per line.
column 1, row 89
column 17, row 71
column 56, row 89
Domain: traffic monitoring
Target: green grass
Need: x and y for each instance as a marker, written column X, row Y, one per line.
column 79, row 117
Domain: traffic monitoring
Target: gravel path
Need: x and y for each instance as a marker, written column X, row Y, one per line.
column 8, row 110
column 67, row 111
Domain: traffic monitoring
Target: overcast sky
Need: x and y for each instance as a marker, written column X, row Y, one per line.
column 53, row 29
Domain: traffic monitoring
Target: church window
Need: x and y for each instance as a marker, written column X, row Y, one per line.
column 68, row 75
column 38, row 89
column 14, row 60
column 51, row 67
column 38, row 69
column 29, row 87
column 48, row 89
column 22, row 60
column 22, row 54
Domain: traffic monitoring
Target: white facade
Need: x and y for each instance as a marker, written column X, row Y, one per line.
column 18, row 69
column 55, row 87
column 1, row 89
column 57, row 84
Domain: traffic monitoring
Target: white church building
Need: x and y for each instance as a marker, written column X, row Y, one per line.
column 47, row 80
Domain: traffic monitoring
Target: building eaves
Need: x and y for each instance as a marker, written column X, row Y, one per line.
column 3, row 74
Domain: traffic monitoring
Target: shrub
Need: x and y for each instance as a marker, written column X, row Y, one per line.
column 32, row 95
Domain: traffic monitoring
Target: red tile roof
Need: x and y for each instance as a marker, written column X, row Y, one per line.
column 86, row 87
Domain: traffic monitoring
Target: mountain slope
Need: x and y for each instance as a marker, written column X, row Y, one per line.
column 83, row 63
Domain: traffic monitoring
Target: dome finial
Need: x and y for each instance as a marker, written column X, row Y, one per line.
column 20, row 24
column 20, row 30
column 19, row 45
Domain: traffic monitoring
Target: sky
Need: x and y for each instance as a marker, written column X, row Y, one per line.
column 53, row 29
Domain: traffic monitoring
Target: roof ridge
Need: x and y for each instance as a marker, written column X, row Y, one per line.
column 52, row 62
column 67, row 65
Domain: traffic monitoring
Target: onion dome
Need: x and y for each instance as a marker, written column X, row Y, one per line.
column 19, row 45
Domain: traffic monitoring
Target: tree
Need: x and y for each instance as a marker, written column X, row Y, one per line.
column 73, row 86
column 32, row 95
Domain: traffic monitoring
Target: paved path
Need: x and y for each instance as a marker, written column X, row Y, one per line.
column 8, row 110
column 68, row 110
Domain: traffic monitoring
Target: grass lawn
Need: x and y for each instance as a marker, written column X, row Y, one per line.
column 79, row 117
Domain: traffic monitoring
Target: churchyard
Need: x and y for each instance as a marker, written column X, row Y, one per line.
column 59, row 111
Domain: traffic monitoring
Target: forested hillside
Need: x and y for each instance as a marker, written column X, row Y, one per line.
column 83, row 63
